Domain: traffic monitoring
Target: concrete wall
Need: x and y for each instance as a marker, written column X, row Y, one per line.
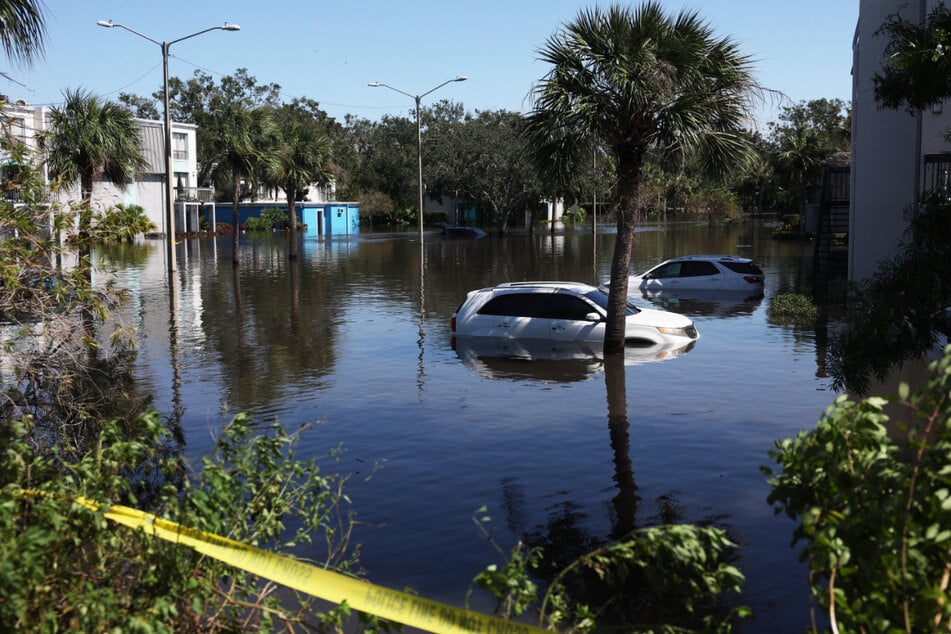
column 888, row 146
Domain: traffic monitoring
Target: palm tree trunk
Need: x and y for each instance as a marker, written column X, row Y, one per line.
column 628, row 186
column 292, row 221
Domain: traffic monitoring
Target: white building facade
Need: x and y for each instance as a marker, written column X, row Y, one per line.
column 27, row 122
column 895, row 155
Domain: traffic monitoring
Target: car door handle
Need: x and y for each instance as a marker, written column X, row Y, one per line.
column 503, row 324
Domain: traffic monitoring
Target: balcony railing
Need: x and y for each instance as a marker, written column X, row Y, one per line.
column 937, row 177
column 195, row 194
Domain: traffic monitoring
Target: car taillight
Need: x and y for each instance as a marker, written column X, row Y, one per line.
column 752, row 279
column 452, row 324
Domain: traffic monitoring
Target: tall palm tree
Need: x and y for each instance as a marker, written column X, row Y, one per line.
column 629, row 81
column 244, row 149
column 89, row 139
column 22, row 30
column 303, row 159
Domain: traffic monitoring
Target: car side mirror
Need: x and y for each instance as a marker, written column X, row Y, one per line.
column 592, row 317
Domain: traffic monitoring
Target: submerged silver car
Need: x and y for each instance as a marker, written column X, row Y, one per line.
column 701, row 273
column 565, row 311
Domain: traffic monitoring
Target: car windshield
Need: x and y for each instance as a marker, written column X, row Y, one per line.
column 600, row 298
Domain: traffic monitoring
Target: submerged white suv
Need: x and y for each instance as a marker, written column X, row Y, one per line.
column 701, row 273
column 565, row 311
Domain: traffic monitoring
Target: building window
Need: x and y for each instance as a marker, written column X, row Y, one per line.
column 179, row 146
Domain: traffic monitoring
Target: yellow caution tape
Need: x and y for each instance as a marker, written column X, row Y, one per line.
column 394, row 605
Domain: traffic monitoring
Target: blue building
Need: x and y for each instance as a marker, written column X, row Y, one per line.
column 331, row 219
column 322, row 219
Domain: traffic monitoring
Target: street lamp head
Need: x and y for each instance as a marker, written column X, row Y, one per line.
column 230, row 27
column 374, row 84
column 106, row 23
column 461, row 78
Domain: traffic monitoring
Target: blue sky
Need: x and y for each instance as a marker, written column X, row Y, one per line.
column 329, row 51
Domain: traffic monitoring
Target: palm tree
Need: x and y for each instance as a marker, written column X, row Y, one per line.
column 89, row 139
column 244, row 149
column 22, row 30
column 629, row 81
column 303, row 159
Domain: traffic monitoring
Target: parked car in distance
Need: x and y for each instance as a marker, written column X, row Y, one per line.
column 561, row 311
column 700, row 273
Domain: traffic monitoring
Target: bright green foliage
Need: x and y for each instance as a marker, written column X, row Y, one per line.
column 270, row 219
column 662, row 579
column 916, row 70
column 63, row 567
column 792, row 308
column 122, row 223
column 872, row 498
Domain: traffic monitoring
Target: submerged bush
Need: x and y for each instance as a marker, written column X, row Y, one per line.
column 122, row 223
column 792, row 308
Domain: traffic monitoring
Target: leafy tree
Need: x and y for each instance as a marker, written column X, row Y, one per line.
column 22, row 30
column 803, row 138
column 916, row 70
column 387, row 150
column 303, row 159
column 141, row 107
column 376, row 208
column 631, row 81
column 486, row 158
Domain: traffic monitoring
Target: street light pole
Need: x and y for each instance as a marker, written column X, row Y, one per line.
column 419, row 140
column 169, row 175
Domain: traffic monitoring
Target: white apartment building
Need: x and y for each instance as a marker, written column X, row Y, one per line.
column 148, row 191
column 895, row 155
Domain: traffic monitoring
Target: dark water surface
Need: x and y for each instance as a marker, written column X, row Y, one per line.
column 357, row 335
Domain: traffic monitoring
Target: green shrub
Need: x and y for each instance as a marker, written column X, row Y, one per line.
column 122, row 223
column 792, row 308
column 874, row 509
column 65, row 567
column 675, row 578
column 269, row 220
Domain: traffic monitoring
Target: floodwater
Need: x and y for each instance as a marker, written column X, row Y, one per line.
column 357, row 335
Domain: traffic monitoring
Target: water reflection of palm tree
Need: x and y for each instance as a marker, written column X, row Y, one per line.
column 295, row 298
column 625, row 502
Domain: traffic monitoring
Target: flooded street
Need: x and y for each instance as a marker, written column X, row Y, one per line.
column 357, row 335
